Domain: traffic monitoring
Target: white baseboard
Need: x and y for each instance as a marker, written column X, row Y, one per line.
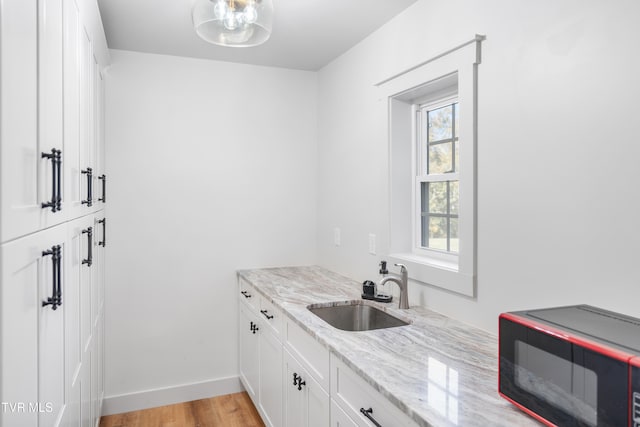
column 170, row 395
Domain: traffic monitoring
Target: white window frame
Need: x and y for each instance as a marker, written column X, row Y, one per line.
column 453, row 72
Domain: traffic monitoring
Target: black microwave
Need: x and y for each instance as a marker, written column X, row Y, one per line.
column 571, row 366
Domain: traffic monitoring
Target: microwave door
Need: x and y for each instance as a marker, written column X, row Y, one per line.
column 559, row 381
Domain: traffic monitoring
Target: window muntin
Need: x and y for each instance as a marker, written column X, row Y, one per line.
column 437, row 177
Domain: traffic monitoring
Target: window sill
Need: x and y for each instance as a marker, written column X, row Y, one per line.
column 436, row 272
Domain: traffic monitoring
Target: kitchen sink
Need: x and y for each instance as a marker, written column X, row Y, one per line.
column 355, row 316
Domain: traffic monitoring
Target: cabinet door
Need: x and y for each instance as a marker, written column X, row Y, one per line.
column 78, row 277
column 72, row 72
column 50, row 108
column 32, row 352
column 97, row 268
column 248, row 353
column 19, row 152
column 339, row 418
column 270, row 395
column 294, row 402
column 306, row 403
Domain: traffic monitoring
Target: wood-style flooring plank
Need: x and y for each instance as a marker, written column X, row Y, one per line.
column 232, row 410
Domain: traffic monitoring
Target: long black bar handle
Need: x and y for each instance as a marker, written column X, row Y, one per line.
column 55, row 300
column 58, row 162
column 368, row 413
column 103, row 242
column 245, row 294
column 103, row 178
column 56, row 194
column 57, row 257
column 89, row 173
column 89, row 259
column 265, row 313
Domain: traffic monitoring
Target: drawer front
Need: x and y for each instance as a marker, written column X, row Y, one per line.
column 354, row 395
column 272, row 317
column 311, row 354
column 247, row 294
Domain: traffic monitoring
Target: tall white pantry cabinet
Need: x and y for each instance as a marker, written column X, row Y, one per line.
column 52, row 221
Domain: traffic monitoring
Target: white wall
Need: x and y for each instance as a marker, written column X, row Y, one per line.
column 211, row 168
column 558, row 162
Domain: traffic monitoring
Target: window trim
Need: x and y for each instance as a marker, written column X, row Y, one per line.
column 402, row 91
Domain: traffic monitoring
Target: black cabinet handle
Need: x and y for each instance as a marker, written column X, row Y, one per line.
column 368, row 413
column 55, row 300
column 268, row 316
column 297, row 380
column 89, row 173
column 246, row 294
column 56, row 194
column 89, row 259
column 103, row 242
column 254, row 327
column 103, row 178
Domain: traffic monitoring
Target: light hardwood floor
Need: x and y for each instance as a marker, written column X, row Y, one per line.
column 232, row 410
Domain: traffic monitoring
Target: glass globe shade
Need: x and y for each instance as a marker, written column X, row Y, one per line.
column 236, row 23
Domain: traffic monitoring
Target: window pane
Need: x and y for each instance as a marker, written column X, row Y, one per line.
column 441, row 158
column 437, row 197
column 453, row 235
column 454, row 197
column 440, row 123
column 437, row 233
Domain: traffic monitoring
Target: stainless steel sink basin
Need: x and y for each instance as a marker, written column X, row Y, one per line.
column 355, row 316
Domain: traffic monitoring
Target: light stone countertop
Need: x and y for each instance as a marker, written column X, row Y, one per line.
column 439, row 371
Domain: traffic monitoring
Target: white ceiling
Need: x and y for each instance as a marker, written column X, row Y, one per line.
column 307, row 34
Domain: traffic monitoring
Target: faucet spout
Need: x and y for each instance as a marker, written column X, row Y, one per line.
column 402, row 281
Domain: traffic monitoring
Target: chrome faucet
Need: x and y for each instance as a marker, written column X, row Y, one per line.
column 402, row 281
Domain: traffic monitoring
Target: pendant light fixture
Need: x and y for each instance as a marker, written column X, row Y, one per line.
column 235, row 23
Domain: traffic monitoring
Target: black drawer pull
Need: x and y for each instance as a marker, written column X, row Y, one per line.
column 55, row 300
column 246, row 294
column 103, row 242
column 268, row 316
column 297, row 380
column 368, row 413
column 89, row 173
column 103, row 178
column 254, row 327
column 56, row 194
column 89, row 259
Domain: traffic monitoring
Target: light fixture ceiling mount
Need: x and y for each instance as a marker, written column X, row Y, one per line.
column 235, row 23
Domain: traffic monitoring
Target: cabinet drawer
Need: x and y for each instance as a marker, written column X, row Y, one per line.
column 353, row 394
column 311, row 354
column 247, row 293
column 271, row 316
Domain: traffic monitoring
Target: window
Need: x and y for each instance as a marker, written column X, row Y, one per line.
column 437, row 187
column 432, row 146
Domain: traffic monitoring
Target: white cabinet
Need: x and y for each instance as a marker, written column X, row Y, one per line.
column 26, row 178
column 51, row 110
column 248, row 351
column 260, row 354
column 52, row 265
column 306, row 403
column 33, row 303
column 270, row 361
